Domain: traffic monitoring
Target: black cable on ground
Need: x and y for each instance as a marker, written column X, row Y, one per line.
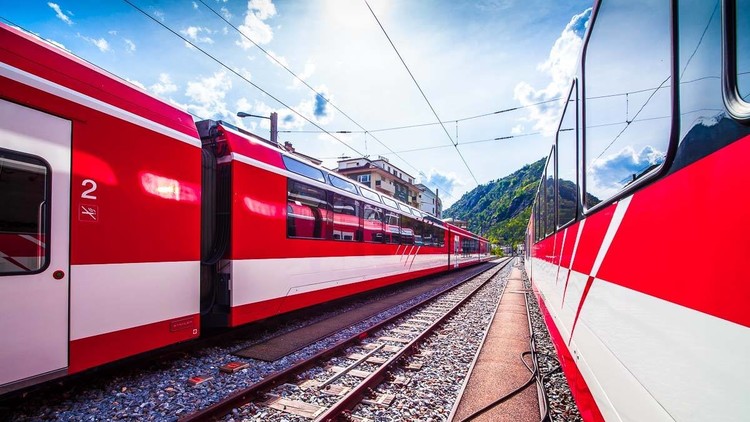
column 535, row 377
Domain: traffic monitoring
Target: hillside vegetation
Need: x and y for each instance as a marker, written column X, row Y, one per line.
column 500, row 210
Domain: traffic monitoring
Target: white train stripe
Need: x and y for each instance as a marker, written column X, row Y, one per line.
column 34, row 81
column 110, row 297
column 255, row 280
column 33, row 240
column 614, row 225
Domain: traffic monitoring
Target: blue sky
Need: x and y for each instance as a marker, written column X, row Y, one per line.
column 469, row 58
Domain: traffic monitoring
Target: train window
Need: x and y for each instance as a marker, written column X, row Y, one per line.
column 434, row 236
column 370, row 195
column 549, row 196
column 536, row 217
column 342, row 184
column 404, row 208
column 345, row 218
column 567, row 158
column 627, row 83
column 390, row 202
column 303, row 169
column 414, row 231
column 308, row 212
column 392, row 223
column 705, row 126
column 440, row 237
column 24, row 218
column 373, row 224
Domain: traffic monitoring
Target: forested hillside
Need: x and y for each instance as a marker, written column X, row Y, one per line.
column 500, row 209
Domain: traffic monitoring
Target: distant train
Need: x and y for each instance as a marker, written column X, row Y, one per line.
column 637, row 244
column 125, row 226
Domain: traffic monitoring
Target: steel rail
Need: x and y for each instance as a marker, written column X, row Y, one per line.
column 355, row 396
column 246, row 395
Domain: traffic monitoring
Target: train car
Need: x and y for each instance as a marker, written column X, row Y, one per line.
column 299, row 234
column 100, row 186
column 637, row 238
column 126, row 226
column 466, row 247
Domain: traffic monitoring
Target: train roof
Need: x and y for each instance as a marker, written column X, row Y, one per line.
column 45, row 66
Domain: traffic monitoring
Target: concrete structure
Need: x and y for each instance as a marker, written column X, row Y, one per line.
column 381, row 176
column 456, row 222
column 429, row 201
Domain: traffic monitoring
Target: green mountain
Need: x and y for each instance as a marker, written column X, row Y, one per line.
column 500, row 210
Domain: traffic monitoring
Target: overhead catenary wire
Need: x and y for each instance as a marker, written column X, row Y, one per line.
column 455, row 145
column 280, row 63
column 238, row 74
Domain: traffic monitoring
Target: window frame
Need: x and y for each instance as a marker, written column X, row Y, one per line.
column 47, row 215
column 578, row 206
column 343, row 184
column 674, row 135
column 326, row 222
column 371, row 195
column 287, row 159
column 738, row 108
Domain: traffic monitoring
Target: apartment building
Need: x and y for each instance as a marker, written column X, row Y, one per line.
column 429, row 201
column 382, row 176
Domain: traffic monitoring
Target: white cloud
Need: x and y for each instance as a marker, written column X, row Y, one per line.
column 164, row 86
column 130, row 45
column 254, row 26
column 517, row 130
column 159, row 15
column 611, row 172
column 305, row 75
column 560, row 66
column 244, row 73
column 195, row 34
column 59, row 13
column 225, row 12
column 56, row 44
column 276, row 59
column 136, row 83
column 195, row 5
column 444, row 183
column 101, row 43
column 208, row 96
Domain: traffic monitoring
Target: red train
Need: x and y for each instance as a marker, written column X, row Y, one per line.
column 125, row 226
column 637, row 239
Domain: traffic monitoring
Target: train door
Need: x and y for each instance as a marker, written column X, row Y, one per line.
column 35, row 154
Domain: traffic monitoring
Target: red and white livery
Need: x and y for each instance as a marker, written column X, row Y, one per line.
column 637, row 238
column 125, row 226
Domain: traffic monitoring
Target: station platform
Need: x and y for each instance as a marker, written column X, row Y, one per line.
column 498, row 369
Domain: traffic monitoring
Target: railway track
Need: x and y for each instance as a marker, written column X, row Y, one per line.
column 328, row 385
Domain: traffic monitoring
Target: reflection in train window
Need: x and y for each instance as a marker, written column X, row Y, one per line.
column 373, row 224
column 370, row 194
column 24, row 218
column 567, row 182
column 705, row 125
column 303, row 169
column 342, row 184
column 390, row 202
column 549, row 196
column 392, row 222
column 628, row 99
column 345, row 218
column 308, row 212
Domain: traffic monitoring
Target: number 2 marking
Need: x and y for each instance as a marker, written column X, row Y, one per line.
column 87, row 194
